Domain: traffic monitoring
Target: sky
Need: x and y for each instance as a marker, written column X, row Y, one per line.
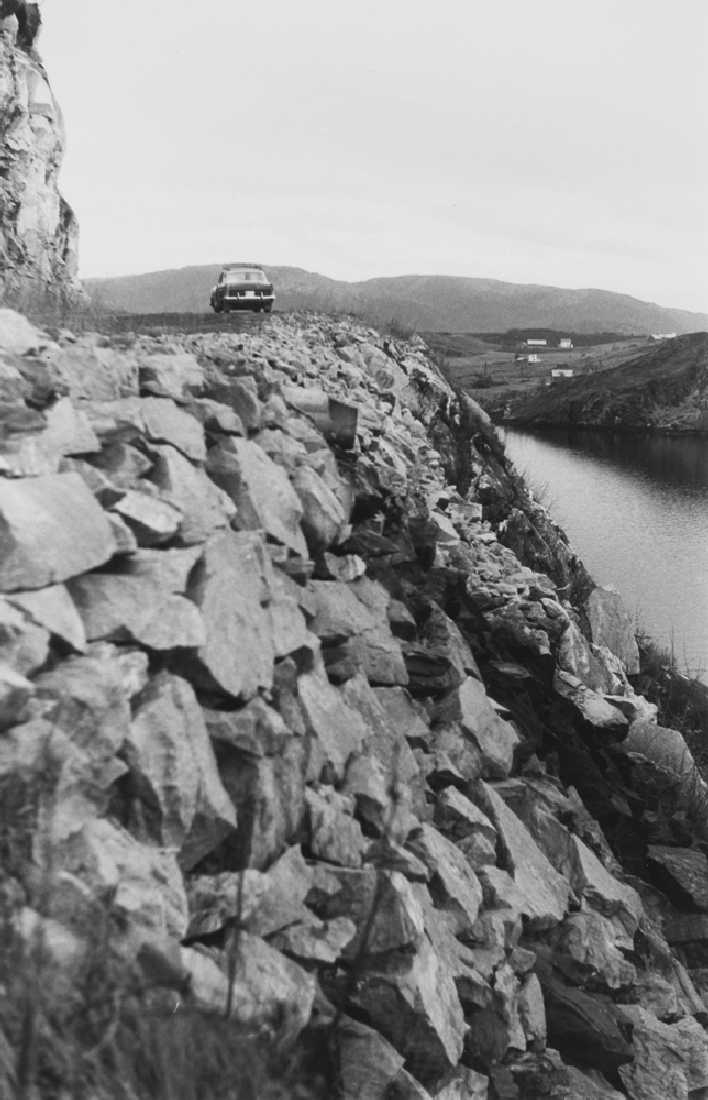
column 551, row 142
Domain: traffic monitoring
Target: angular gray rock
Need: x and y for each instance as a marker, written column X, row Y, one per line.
column 469, row 705
column 152, row 520
column 174, row 770
column 368, row 1064
column 262, row 903
column 261, row 491
column 604, row 892
column 415, row 1005
column 324, row 520
column 269, row 991
column 256, row 729
column 66, row 432
column 203, row 506
column 121, row 608
column 464, row 823
column 53, row 609
column 24, row 646
column 545, row 893
column 592, row 706
column 453, row 882
column 230, row 587
column 356, row 636
column 93, row 373
column 15, row 693
column 316, row 941
column 338, row 731
column 686, row 869
column 334, row 834
column 670, row 1060
column 611, row 626
column 384, row 907
column 163, row 422
column 175, row 376
column 146, row 881
column 269, row 794
column 589, row 939
column 168, row 569
column 37, row 545
column 667, row 749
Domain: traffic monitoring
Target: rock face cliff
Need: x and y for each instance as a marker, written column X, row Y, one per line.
column 304, row 750
column 38, row 230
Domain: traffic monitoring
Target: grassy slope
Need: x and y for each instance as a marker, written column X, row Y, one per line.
column 665, row 388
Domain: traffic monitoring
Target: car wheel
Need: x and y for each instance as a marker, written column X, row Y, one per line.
column 216, row 307
column 268, row 308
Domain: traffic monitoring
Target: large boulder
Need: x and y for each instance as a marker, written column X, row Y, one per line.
column 268, row 991
column 261, row 491
column 38, row 547
column 230, row 587
column 470, row 706
column 414, row 1003
column 204, row 507
column 683, row 872
column 65, row 432
column 544, row 894
column 114, row 607
column 174, row 772
column 146, row 882
column 611, row 626
column 670, row 1060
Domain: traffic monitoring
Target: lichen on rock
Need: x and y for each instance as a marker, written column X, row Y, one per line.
column 38, row 228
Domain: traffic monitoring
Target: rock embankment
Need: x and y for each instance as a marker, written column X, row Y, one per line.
column 286, row 685
column 664, row 390
column 38, row 229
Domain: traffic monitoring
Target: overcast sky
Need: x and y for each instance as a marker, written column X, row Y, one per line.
column 551, row 142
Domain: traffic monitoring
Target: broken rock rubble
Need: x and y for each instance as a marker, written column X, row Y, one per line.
column 305, row 690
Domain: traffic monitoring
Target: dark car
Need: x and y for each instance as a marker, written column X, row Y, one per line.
column 242, row 286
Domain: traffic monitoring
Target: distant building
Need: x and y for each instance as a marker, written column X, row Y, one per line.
column 533, row 358
column 561, row 372
column 663, row 335
column 536, row 342
column 565, row 342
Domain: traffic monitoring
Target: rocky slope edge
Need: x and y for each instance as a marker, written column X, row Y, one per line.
column 38, row 230
column 292, row 706
column 665, row 390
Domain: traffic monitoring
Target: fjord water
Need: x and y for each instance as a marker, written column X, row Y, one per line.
column 635, row 509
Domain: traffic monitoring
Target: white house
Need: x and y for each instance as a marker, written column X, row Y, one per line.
column 663, row 335
column 533, row 358
column 565, row 342
column 562, row 372
column 536, row 342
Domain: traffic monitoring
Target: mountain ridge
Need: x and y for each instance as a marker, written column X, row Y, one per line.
column 422, row 302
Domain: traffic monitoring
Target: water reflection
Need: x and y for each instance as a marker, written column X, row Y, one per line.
column 670, row 460
column 636, row 510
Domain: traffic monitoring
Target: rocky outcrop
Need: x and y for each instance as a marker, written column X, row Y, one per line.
column 38, row 230
column 346, row 769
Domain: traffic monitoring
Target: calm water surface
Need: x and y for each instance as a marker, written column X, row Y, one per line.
column 636, row 511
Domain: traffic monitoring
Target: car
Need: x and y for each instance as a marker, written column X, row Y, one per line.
column 242, row 286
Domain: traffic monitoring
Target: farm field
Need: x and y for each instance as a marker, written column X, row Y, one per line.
column 489, row 369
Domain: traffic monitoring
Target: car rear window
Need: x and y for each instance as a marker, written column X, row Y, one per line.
column 245, row 275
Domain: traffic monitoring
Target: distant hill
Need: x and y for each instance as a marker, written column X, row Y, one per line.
column 435, row 303
column 665, row 389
